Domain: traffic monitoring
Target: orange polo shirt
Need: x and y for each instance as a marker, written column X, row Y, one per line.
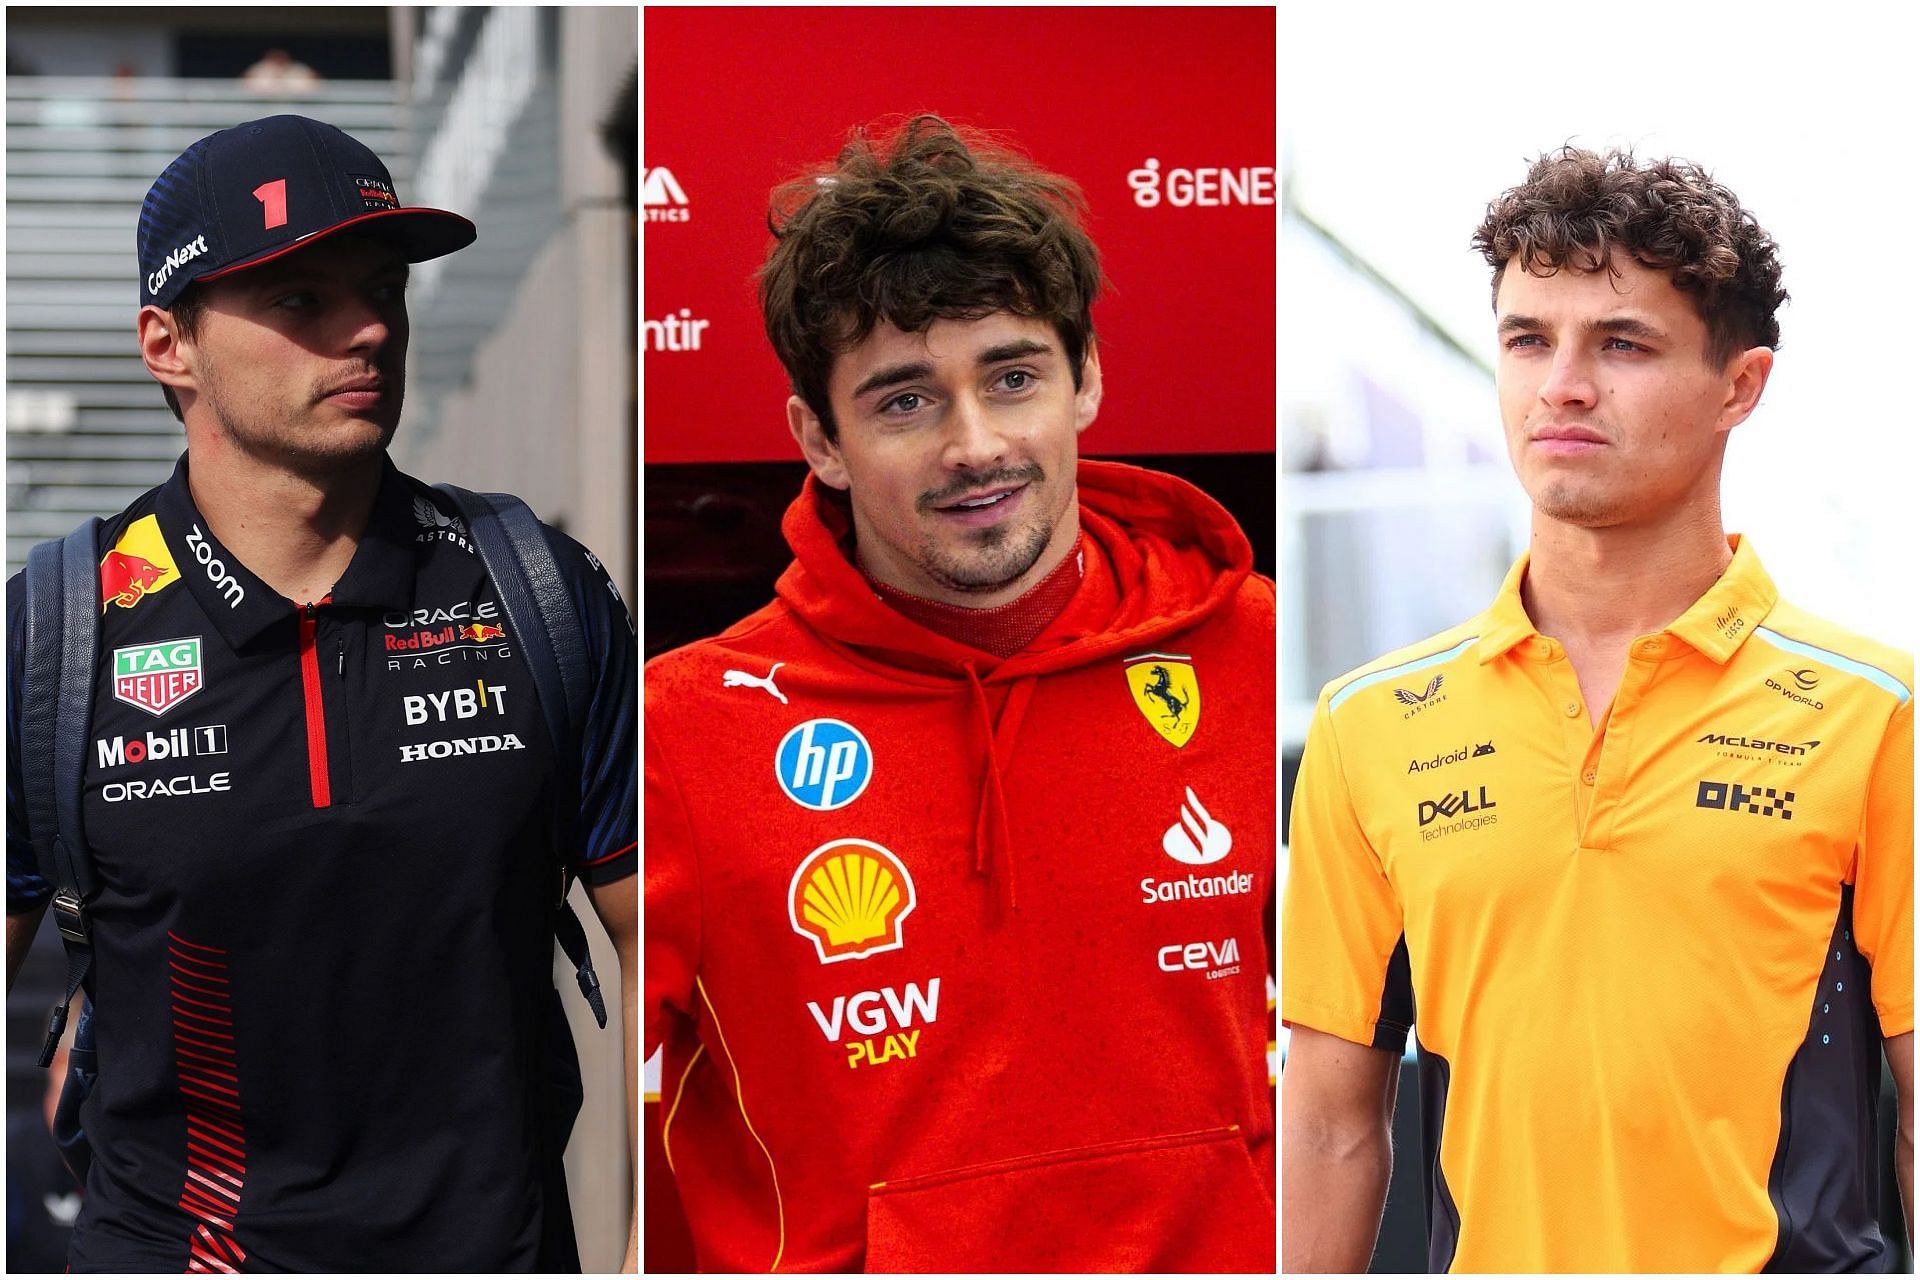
column 1653, row 962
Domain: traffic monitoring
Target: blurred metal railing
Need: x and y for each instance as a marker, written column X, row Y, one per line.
column 87, row 430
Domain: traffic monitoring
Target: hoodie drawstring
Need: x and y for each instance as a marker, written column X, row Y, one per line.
column 992, row 841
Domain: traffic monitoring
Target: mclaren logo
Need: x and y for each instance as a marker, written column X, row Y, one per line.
column 850, row 898
column 1167, row 692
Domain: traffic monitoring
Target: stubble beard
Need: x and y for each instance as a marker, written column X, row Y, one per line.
column 999, row 556
column 996, row 556
column 1576, row 504
column 272, row 435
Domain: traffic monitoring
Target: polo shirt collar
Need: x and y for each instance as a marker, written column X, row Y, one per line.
column 241, row 606
column 1721, row 620
column 1716, row 624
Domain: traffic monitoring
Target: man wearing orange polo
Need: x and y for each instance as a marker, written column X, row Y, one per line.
column 1636, row 842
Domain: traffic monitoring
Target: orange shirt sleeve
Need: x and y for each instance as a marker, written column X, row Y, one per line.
column 1883, row 876
column 1340, row 922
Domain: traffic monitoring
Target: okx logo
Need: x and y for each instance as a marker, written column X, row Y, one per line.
column 823, row 764
column 1733, row 797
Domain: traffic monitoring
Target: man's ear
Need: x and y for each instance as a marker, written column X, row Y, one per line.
column 1086, row 401
column 822, row 454
column 161, row 349
column 1747, row 375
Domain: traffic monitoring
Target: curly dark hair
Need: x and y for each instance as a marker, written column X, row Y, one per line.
column 1577, row 208
column 930, row 223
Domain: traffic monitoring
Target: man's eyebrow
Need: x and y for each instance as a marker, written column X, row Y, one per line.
column 1627, row 326
column 1624, row 326
column 893, row 375
column 1018, row 349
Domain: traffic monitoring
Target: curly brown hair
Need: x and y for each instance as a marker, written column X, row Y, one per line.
column 1577, row 208
column 930, row 223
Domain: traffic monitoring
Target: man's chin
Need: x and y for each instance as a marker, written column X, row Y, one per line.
column 984, row 570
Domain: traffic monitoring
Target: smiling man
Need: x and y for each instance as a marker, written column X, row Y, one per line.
column 1636, row 843
column 324, row 812
column 960, row 853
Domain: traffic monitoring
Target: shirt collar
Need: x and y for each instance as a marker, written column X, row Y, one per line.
column 380, row 575
column 1716, row 624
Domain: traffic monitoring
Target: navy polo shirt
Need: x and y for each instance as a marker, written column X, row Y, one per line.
column 324, row 837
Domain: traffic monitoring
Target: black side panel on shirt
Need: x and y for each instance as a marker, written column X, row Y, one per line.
column 1824, row 1184
column 1443, row 1219
column 1396, row 1003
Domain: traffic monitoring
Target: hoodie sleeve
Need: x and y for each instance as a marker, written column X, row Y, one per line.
column 672, row 897
column 1342, row 960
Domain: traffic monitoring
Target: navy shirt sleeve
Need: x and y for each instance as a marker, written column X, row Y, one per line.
column 607, row 832
column 26, row 889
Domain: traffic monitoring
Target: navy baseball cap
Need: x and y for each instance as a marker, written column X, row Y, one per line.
column 250, row 194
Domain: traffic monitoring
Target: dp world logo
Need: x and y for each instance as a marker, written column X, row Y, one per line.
column 823, row 764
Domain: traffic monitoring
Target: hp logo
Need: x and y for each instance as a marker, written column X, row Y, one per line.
column 823, row 764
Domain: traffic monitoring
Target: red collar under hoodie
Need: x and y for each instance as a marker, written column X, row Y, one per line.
column 960, row 963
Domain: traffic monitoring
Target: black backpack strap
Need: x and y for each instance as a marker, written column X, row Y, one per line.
column 63, row 635
column 548, row 630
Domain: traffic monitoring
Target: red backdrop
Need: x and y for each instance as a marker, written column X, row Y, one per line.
column 1177, row 104
column 738, row 101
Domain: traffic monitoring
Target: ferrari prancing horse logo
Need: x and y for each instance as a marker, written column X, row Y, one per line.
column 1167, row 693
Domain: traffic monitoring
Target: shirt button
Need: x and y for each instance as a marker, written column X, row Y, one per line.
column 1587, row 777
column 1573, row 708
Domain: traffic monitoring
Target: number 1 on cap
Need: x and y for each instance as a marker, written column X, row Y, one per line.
column 273, row 195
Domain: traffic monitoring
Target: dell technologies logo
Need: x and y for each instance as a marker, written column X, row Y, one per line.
column 1464, row 809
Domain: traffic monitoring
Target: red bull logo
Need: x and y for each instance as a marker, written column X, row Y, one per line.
column 137, row 566
column 424, row 638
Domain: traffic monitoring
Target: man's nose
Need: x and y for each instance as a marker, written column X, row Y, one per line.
column 1569, row 379
column 974, row 439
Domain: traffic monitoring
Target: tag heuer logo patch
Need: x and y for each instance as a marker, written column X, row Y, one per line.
column 1167, row 693
column 158, row 677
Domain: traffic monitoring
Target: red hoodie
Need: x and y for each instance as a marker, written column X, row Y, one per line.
column 960, row 963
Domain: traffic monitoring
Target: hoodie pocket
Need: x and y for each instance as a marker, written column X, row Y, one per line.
column 1173, row 1202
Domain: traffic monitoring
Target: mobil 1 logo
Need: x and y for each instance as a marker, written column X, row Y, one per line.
column 823, row 764
column 173, row 744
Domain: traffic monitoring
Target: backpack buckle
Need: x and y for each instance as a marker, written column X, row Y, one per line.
column 70, row 917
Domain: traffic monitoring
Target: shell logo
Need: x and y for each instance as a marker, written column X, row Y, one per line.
column 849, row 898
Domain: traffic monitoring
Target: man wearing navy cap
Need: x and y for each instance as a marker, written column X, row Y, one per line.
column 321, row 804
